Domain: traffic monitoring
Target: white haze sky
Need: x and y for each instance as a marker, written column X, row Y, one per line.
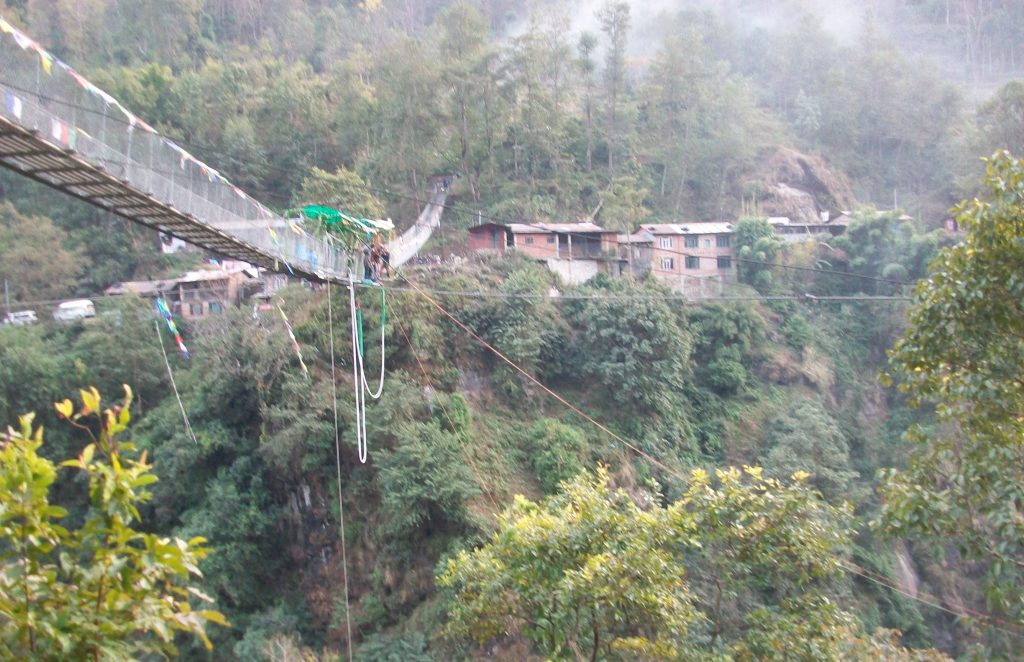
column 843, row 18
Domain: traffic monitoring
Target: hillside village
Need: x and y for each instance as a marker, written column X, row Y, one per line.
column 694, row 258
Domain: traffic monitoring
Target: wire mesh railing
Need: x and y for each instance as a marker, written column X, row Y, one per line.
column 46, row 95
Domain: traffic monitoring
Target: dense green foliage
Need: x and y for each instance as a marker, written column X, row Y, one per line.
column 555, row 111
column 740, row 567
column 962, row 352
column 97, row 588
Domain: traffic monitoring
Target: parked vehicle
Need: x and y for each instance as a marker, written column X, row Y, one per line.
column 70, row 311
column 21, row 318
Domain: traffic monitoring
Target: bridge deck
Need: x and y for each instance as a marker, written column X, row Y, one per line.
column 26, row 152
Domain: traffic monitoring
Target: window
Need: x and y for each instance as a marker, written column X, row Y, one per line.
column 668, row 264
column 665, row 242
column 195, row 309
column 216, row 307
column 691, row 242
column 529, row 241
column 723, row 241
column 692, row 262
column 551, row 238
column 707, row 243
column 724, row 262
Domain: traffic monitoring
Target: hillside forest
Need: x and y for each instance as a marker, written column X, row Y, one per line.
column 823, row 464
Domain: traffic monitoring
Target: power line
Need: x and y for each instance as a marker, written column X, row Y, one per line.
column 930, row 600
column 479, row 294
column 427, row 382
column 504, row 221
column 540, row 384
column 847, row 565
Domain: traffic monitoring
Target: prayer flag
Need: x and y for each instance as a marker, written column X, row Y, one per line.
column 59, row 131
column 46, row 60
column 13, row 104
column 23, row 41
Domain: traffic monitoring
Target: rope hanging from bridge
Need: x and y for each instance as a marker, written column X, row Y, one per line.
column 360, row 386
column 357, row 375
column 383, row 320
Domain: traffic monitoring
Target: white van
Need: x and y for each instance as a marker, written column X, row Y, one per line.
column 21, row 318
column 74, row 310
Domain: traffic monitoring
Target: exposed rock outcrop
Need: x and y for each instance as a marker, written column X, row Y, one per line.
column 801, row 186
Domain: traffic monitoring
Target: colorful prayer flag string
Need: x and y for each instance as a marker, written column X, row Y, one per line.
column 165, row 312
column 47, row 60
column 295, row 343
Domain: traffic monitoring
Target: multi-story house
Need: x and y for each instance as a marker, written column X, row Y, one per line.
column 686, row 255
column 575, row 251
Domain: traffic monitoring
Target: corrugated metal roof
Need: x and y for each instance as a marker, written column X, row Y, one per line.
column 141, row 287
column 524, row 228
column 641, row 237
column 486, row 226
column 209, row 274
column 153, row 287
column 574, row 228
column 688, row 228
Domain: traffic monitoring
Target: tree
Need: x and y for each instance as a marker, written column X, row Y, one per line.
column 556, row 453
column 343, row 189
column 464, row 54
column 425, row 479
column 757, row 246
column 586, row 573
column 807, row 437
column 585, row 48
column 638, row 351
column 103, row 589
column 964, row 483
column 244, row 158
column 764, row 560
column 516, row 326
column 32, row 258
column 30, row 369
column 999, row 123
column 740, row 567
column 615, row 19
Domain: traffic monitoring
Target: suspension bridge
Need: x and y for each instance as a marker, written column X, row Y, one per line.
column 59, row 129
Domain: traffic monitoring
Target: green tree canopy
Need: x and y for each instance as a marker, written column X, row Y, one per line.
column 741, row 565
column 32, row 259
column 101, row 589
column 962, row 351
column 342, row 189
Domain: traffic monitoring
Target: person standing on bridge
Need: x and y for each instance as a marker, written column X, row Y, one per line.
column 367, row 264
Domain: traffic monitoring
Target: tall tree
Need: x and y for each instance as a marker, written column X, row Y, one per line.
column 463, row 59
column 585, row 49
column 614, row 17
column 964, row 484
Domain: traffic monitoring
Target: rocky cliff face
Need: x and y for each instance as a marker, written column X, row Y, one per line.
column 801, row 186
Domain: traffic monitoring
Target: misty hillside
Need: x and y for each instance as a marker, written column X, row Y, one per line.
column 813, row 453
